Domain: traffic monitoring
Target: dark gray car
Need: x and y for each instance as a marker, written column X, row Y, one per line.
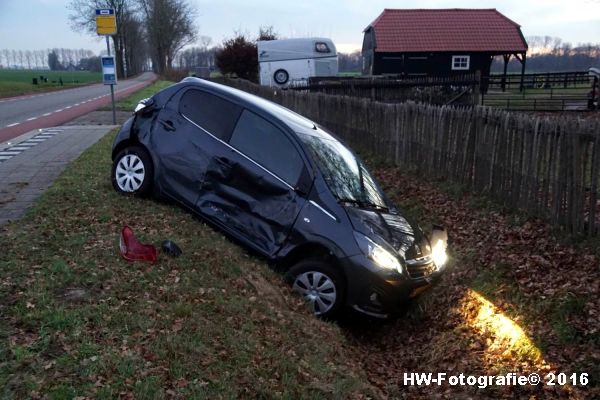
column 284, row 187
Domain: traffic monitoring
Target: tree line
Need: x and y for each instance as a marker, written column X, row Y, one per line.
column 41, row 59
column 552, row 54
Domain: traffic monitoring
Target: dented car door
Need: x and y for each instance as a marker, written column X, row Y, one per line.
column 249, row 186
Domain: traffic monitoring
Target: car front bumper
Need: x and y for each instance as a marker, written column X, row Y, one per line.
column 380, row 293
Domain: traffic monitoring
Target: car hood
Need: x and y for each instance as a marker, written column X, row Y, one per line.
column 394, row 229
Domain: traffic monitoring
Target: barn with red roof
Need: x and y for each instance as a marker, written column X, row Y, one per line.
column 427, row 42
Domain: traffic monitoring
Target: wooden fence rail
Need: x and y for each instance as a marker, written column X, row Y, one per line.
column 463, row 89
column 547, row 166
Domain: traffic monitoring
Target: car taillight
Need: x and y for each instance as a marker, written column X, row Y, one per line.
column 132, row 250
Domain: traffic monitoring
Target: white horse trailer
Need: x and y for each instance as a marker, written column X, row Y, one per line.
column 288, row 61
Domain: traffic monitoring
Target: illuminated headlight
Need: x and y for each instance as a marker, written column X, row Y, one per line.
column 377, row 253
column 438, row 253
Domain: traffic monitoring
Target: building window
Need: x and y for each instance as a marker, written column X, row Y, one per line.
column 461, row 62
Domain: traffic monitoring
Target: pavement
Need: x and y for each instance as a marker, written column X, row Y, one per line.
column 31, row 163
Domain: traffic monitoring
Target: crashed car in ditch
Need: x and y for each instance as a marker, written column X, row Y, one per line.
column 283, row 186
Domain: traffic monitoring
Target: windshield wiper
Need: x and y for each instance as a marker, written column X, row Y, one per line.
column 351, row 201
column 362, row 204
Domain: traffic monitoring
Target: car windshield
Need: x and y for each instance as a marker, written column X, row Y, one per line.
column 346, row 176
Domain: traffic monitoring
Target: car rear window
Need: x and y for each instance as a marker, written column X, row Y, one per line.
column 267, row 145
column 214, row 114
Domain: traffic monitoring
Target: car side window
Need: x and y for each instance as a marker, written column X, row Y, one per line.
column 266, row 144
column 213, row 113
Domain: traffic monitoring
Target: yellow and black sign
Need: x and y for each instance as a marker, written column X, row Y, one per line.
column 106, row 21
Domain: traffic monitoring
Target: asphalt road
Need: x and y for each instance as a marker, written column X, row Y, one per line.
column 25, row 113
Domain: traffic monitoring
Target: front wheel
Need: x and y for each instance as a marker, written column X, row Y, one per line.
column 132, row 171
column 321, row 285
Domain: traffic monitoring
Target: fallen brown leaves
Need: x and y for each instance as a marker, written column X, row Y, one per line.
column 526, row 272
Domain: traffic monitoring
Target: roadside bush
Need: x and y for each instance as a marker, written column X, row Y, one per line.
column 238, row 58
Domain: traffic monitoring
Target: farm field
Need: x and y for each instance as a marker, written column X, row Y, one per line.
column 19, row 82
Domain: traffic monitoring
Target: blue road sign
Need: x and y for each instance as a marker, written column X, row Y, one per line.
column 109, row 73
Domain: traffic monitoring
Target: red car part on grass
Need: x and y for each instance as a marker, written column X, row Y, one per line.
column 132, row 250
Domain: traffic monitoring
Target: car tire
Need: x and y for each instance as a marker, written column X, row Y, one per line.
column 132, row 171
column 281, row 76
column 321, row 285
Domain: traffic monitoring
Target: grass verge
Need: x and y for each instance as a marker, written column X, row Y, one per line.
column 128, row 103
column 77, row 320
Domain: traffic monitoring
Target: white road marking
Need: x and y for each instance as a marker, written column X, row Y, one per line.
column 45, row 115
column 59, row 110
column 20, row 148
column 67, row 107
column 31, row 119
column 5, row 157
column 9, row 153
column 15, row 124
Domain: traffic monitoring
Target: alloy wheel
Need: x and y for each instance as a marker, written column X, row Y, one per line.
column 317, row 289
column 130, row 173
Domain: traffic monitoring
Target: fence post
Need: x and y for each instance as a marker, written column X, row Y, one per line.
column 477, row 87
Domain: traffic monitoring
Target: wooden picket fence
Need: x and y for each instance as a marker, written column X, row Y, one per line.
column 547, row 166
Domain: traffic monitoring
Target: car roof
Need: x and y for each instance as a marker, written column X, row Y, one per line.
column 295, row 121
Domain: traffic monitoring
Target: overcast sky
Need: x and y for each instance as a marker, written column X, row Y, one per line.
column 41, row 24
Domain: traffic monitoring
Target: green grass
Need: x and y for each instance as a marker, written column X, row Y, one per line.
column 19, row 82
column 213, row 323
column 128, row 103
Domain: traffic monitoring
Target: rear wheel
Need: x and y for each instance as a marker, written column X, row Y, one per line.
column 132, row 171
column 321, row 285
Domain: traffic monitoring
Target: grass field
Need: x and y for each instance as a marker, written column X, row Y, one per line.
column 128, row 103
column 538, row 98
column 78, row 320
column 18, row 82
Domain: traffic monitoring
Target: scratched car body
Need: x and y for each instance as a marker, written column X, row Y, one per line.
column 283, row 186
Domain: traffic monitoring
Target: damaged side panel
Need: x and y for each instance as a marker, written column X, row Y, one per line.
column 248, row 200
column 182, row 151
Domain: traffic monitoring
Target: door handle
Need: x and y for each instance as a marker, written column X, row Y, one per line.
column 167, row 124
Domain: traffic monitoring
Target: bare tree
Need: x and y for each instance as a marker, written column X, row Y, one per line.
column 267, row 33
column 6, row 54
column 169, row 26
column 205, row 41
column 28, row 58
column 13, row 56
column 21, row 59
column 134, row 44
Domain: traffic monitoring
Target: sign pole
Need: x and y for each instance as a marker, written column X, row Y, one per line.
column 112, row 88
